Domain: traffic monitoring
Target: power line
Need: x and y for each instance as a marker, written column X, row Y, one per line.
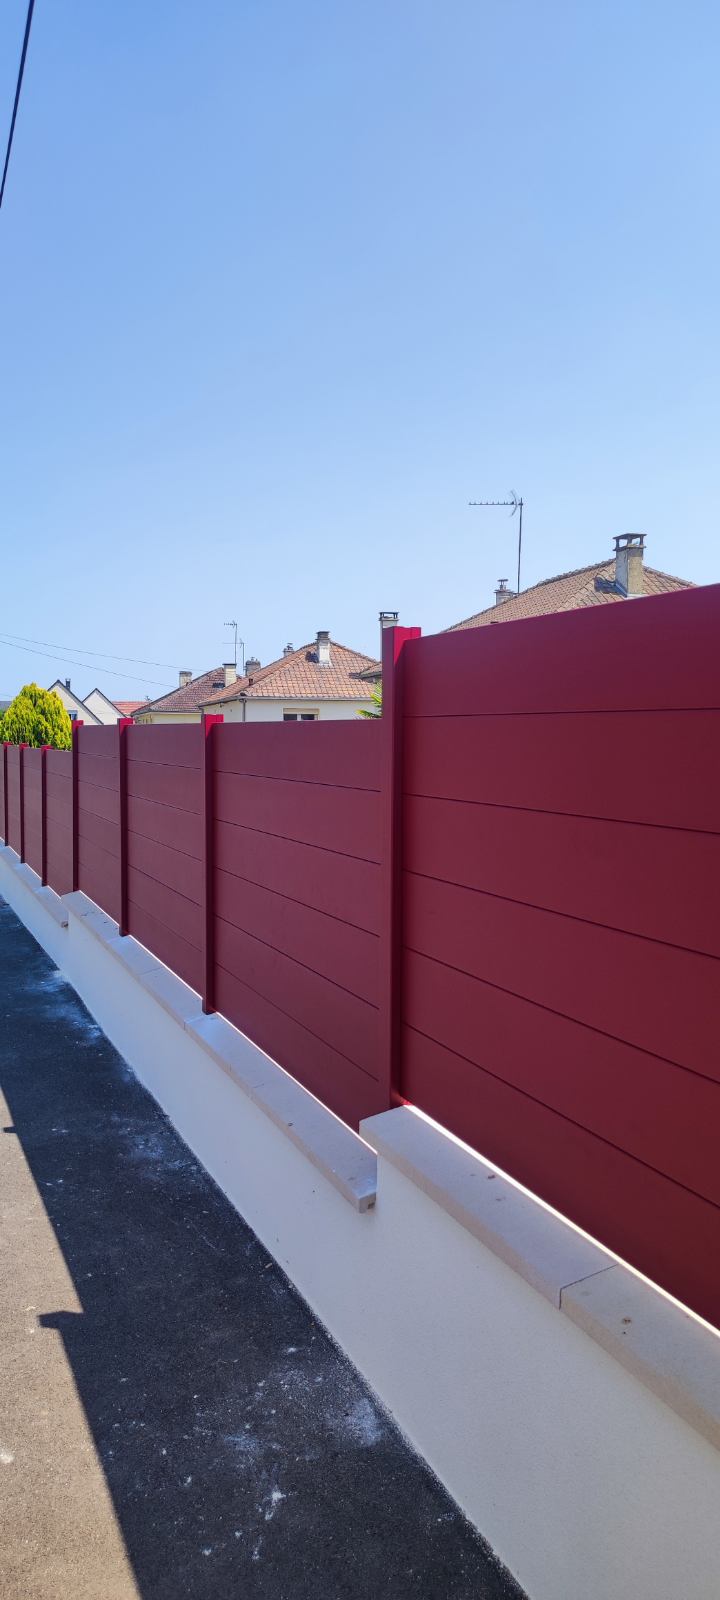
column 52, row 644
column 68, row 661
column 26, row 40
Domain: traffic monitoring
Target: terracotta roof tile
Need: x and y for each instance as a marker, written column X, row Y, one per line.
column 570, row 591
column 126, row 707
column 300, row 676
column 190, row 697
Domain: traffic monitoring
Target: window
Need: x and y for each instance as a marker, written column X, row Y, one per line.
column 300, row 716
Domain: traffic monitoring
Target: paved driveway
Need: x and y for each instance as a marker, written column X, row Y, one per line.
column 173, row 1421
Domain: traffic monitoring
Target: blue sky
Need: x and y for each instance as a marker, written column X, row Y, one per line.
column 285, row 283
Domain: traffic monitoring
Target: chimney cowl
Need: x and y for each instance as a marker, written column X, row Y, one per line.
column 502, row 593
column 323, row 647
column 629, row 564
column 252, row 665
column 185, row 677
column 289, row 650
column 229, row 673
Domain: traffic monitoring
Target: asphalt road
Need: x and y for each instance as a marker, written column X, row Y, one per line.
column 173, row 1421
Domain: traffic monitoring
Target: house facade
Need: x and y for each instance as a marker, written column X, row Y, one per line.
column 322, row 681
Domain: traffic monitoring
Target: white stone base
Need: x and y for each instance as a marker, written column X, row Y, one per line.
column 584, row 1447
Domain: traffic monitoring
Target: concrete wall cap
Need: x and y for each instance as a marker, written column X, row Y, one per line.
column 538, row 1245
column 337, row 1152
column 665, row 1347
column 328, row 1143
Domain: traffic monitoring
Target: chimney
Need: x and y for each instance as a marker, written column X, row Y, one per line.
column 229, row 673
column 289, row 650
column 629, row 553
column 67, row 683
column 502, row 592
column 251, row 665
column 185, row 677
column 323, row 647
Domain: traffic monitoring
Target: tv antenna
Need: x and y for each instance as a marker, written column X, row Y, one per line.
column 234, row 627
column 515, row 505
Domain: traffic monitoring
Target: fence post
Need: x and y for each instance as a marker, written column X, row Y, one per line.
column 122, row 726
column 21, row 794
column 43, row 813
column 5, row 792
column 207, row 826
column 391, row 780
column 75, row 838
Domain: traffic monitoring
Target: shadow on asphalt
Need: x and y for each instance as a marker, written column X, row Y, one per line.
column 243, row 1454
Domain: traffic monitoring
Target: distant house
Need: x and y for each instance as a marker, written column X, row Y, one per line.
column 97, row 709
column 320, row 681
column 185, row 703
column 623, row 577
column 75, row 707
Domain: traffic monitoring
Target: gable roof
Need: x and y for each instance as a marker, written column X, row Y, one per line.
column 570, row 591
column 79, row 704
column 300, row 676
column 126, row 707
column 190, row 696
column 103, row 696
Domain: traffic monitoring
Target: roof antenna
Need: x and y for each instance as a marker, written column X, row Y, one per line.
column 242, row 641
column 516, row 505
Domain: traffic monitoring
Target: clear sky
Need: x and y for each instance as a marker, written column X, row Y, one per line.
column 285, row 283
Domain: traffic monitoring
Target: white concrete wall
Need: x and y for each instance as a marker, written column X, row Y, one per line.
column 586, row 1483
column 272, row 710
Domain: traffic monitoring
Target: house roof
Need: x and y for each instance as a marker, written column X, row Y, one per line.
column 79, row 704
column 126, row 707
column 190, row 696
column 300, row 676
column 570, row 591
column 103, row 696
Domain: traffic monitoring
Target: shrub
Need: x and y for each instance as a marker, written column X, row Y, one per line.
column 36, row 716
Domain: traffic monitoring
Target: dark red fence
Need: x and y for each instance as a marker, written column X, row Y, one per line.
column 499, row 902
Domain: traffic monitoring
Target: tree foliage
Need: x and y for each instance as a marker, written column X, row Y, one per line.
column 36, row 716
column 375, row 707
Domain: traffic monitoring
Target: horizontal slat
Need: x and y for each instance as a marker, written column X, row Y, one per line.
column 100, row 771
column 168, row 907
column 178, row 829
column 177, row 787
column 94, row 741
column 342, row 754
column 59, row 855
column 346, row 820
column 165, row 943
column 174, row 747
column 336, row 950
column 603, row 765
column 611, row 981
column 660, row 882
column 100, row 832
column 340, row 1019
column 59, row 764
column 340, row 885
column 350, row 1093
column 643, row 1105
column 99, row 877
column 99, row 802
column 165, row 865
column 659, row 1227
column 59, row 810
column 657, row 654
